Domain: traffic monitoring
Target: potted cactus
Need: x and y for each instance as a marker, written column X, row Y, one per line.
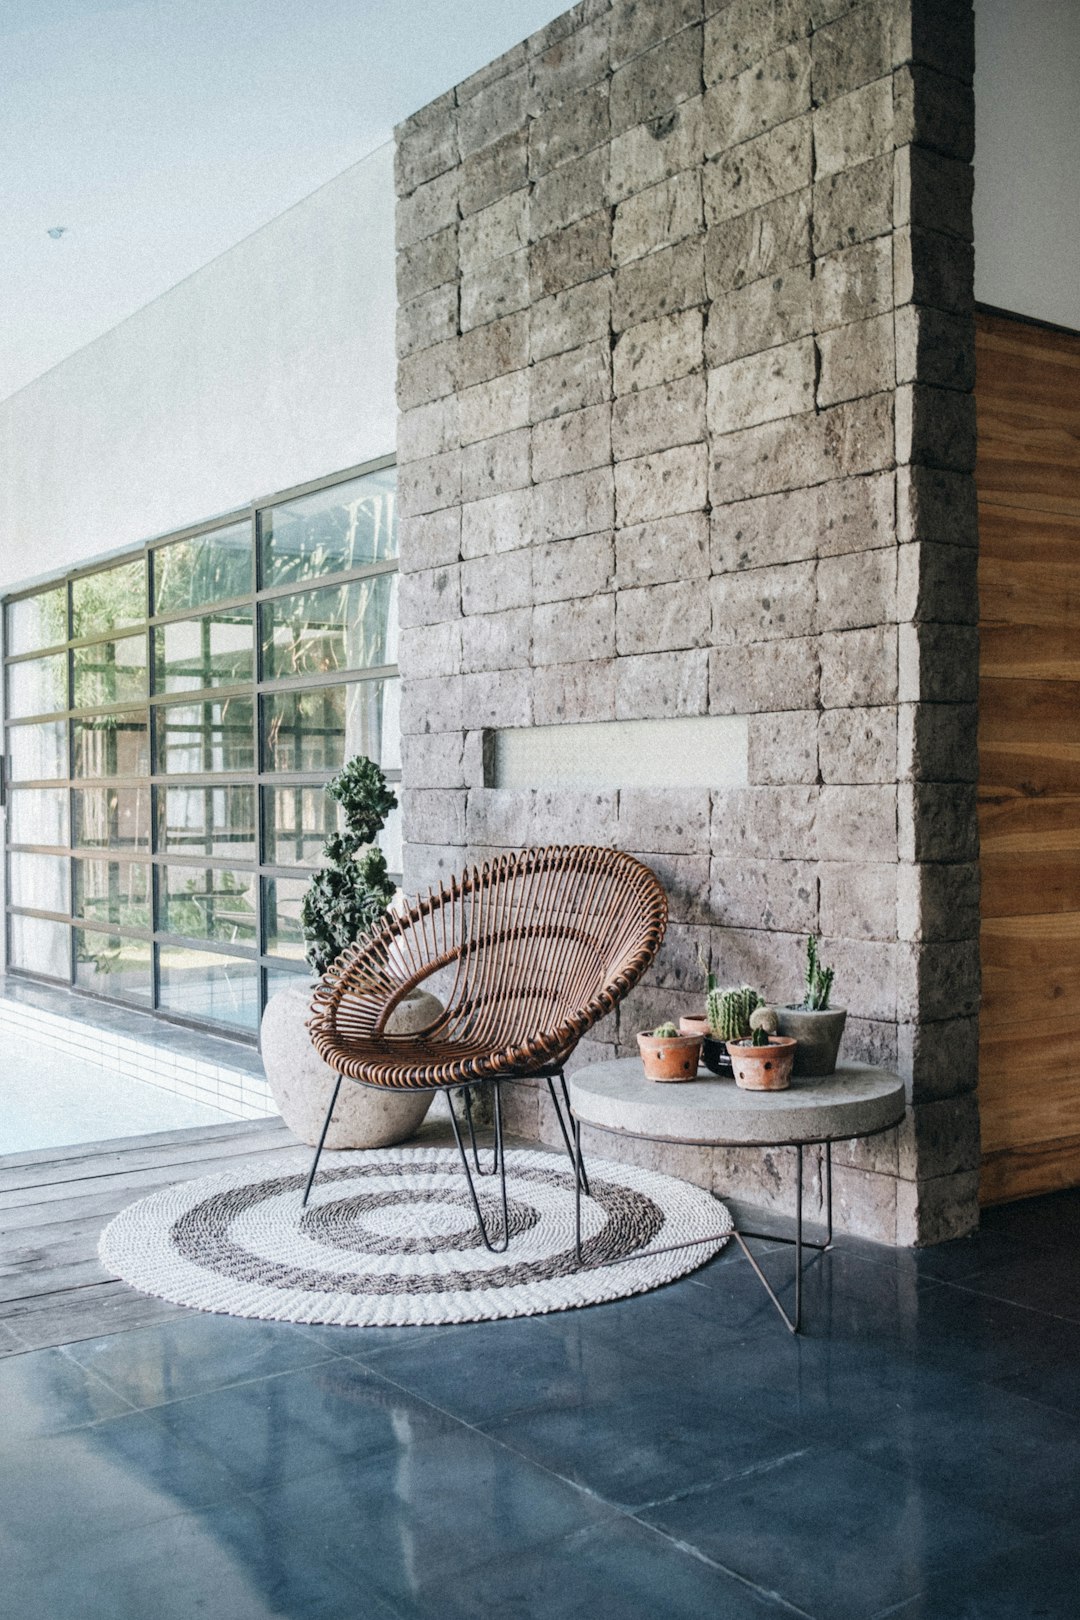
column 669, row 1054
column 817, row 1027
column 763, row 1061
column 729, row 1015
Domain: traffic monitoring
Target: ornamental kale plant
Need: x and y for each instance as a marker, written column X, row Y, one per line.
column 348, row 896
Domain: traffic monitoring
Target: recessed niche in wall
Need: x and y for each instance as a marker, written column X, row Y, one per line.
column 698, row 751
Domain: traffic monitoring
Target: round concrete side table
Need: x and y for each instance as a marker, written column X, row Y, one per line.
column 858, row 1100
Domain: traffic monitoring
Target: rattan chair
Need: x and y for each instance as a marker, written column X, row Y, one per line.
column 540, row 946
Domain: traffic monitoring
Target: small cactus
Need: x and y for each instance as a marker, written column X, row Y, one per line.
column 729, row 1011
column 760, row 1037
column 665, row 1032
column 818, row 979
column 765, row 1018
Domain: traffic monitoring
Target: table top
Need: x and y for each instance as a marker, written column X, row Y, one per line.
column 855, row 1101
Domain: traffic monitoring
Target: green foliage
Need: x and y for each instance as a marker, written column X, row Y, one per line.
column 665, row 1032
column 818, row 979
column 729, row 1011
column 347, row 897
column 760, row 1037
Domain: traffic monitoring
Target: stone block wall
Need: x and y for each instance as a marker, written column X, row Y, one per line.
column 685, row 366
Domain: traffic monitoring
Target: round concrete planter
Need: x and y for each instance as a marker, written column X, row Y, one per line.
column 301, row 1083
column 818, row 1034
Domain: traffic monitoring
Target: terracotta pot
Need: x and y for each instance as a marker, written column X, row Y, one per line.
column 672, row 1057
column 763, row 1068
column 818, row 1034
column 714, row 1052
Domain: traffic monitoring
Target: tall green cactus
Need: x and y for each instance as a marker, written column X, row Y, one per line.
column 818, row 979
column 728, row 1011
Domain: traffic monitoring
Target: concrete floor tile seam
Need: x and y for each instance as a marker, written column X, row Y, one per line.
column 783, row 1604
column 702, row 1487
column 965, row 1287
column 198, row 1394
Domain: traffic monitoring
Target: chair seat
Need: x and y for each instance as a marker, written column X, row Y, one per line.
column 408, row 1063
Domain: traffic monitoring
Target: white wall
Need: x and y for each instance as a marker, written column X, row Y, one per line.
column 1027, row 157
column 271, row 365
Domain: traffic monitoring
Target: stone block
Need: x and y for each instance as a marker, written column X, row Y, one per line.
column 859, row 667
column 677, row 966
column 932, row 269
column 798, row 451
column 686, row 883
column 661, row 283
column 500, row 67
column 750, row 175
column 498, row 289
column 506, row 818
column 854, row 128
column 491, row 408
column 938, row 742
column 572, row 443
column 492, row 584
column 937, row 1210
column 658, row 351
column 783, row 748
column 429, row 596
column 758, row 98
column 566, row 570
column 430, row 208
column 762, row 387
column 643, row 156
column 428, row 865
column 938, row 902
column 496, row 523
column 491, row 351
column 579, row 58
column 661, row 485
column 852, row 51
column 662, row 685
column 430, row 263
column 568, row 257
column 568, row 128
column 583, row 503
column 779, row 895
column 436, row 759
column 845, row 515
column 933, row 347
column 429, row 484
column 935, row 427
column 934, row 110
column 432, row 704
column 936, row 505
column 858, row 823
column 763, row 242
column 769, row 960
column 774, row 675
column 665, row 214
column 651, row 84
column 858, row 745
column 853, row 205
column 856, row 360
column 674, row 548
column 426, row 375
column 430, row 649
column 433, row 816
column 763, row 604
column 570, row 192
column 939, row 1059
column 432, row 317
column 865, row 976
column 660, row 618
column 938, row 663
column 496, row 641
column 658, row 418
column 853, row 284
column 571, row 381
column 759, row 316
column 937, row 821
column 765, row 823
column 574, row 632
column 932, row 192
column 503, row 700
column 570, row 694
column 864, row 1204
column 498, row 106
column 500, row 228
column 857, row 590
column 746, row 31
column 939, row 980
column 428, row 430
column 878, row 1154
column 938, row 583
column 430, row 541
column 496, row 466
column 570, row 318
column 494, row 171
column 425, row 145
column 857, row 899
column 664, row 821
column 635, row 29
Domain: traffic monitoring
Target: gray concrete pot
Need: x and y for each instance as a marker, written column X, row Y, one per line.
column 819, row 1035
column 301, row 1083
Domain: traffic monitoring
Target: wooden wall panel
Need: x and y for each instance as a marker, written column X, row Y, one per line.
column 1028, row 476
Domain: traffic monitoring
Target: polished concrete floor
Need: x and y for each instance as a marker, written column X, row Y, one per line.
column 674, row 1455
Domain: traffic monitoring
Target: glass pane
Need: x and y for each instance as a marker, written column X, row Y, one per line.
column 217, row 735
column 116, row 892
column 207, row 821
column 389, row 839
column 213, row 651
column 37, row 621
column 112, row 817
column 319, row 730
column 200, row 984
column 38, row 946
column 109, row 599
column 296, row 823
column 207, row 568
column 39, row 686
column 339, row 627
column 38, row 816
column 41, row 882
column 112, row 745
column 205, row 904
column 282, row 898
column 342, row 527
column 113, row 966
column 110, row 672
column 38, row 753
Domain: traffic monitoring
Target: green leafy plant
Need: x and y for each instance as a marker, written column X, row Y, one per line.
column 665, row 1032
column 818, row 979
column 350, row 893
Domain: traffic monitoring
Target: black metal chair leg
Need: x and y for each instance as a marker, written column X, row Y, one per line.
column 500, row 1162
column 322, row 1139
column 575, row 1159
column 466, row 1092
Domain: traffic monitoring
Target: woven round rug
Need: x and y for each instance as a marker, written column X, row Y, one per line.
column 389, row 1239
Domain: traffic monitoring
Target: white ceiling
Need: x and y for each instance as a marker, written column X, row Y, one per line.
column 161, row 132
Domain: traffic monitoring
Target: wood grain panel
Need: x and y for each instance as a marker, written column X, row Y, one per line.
column 1028, row 478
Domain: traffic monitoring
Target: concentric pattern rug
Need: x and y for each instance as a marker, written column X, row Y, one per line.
column 389, row 1238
